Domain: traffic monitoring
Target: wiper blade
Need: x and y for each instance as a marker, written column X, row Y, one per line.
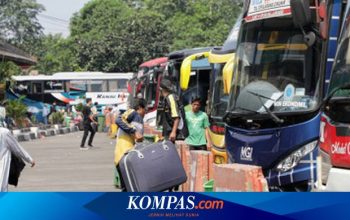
column 235, row 116
column 260, row 96
column 274, row 117
column 248, row 110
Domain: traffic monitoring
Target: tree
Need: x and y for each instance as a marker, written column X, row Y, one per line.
column 137, row 4
column 110, row 36
column 56, row 54
column 8, row 69
column 118, row 35
column 19, row 24
column 17, row 110
column 197, row 23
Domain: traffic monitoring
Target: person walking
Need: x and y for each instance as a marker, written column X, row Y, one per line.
column 8, row 147
column 46, row 113
column 198, row 127
column 109, row 119
column 53, row 109
column 89, row 124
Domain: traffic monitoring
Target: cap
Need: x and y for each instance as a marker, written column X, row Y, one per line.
column 166, row 84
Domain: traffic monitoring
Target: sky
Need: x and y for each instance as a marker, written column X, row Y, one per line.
column 55, row 19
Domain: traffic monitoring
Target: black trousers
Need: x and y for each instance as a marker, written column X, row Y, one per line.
column 87, row 129
column 122, row 183
column 200, row 147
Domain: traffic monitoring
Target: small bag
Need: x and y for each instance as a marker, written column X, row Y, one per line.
column 94, row 126
column 16, row 167
column 182, row 131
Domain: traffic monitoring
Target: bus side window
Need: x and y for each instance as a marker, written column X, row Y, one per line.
column 122, row 84
column 67, row 86
column 22, row 88
column 78, row 85
column 151, row 92
column 112, row 85
column 37, row 88
column 105, row 86
column 94, row 86
column 53, row 86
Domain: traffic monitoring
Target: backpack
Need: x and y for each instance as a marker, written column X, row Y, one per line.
column 182, row 130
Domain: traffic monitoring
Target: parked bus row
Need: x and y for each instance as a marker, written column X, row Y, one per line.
column 265, row 89
column 268, row 90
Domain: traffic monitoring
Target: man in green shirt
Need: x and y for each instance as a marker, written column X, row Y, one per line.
column 198, row 127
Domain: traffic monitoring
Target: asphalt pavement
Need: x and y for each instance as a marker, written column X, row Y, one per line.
column 62, row 167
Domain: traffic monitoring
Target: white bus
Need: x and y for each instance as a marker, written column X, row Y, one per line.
column 69, row 88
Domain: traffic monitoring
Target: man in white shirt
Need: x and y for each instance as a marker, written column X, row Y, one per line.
column 8, row 145
column 2, row 116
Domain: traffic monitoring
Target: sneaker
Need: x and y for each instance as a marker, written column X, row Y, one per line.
column 84, row 148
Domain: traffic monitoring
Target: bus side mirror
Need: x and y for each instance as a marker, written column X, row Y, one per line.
column 185, row 72
column 301, row 12
column 227, row 75
column 186, row 67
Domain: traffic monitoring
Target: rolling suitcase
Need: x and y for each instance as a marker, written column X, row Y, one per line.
column 152, row 167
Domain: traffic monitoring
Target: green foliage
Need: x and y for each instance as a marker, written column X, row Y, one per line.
column 8, row 69
column 118, row 35
column 16, row 110
column 79, row 107
column 56, row 55
column 33, row 119
column 112, row 37
column 198, row 23
column 19, row 24
column 57, row 118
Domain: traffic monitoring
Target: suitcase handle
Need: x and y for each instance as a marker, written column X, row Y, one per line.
column 139, row 154
column 165, row 147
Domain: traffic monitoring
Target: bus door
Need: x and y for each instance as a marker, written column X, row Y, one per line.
column 195, row 79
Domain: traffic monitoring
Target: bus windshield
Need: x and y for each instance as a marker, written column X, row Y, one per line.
column 275, row 71
column 198, row 84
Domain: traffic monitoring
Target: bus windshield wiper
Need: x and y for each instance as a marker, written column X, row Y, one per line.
column 274, row 117
column 230, row 114
column 260, row 96
column 248, row 110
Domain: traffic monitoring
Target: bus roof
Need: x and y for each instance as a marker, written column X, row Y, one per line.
column 230, row 45
column 155, row 62
column 182, row 54
column 74, row 76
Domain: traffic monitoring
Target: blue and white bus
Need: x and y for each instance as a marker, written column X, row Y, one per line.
column 69, row 88
column 283, row 60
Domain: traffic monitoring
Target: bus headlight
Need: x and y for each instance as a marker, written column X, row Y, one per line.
column 292, row 160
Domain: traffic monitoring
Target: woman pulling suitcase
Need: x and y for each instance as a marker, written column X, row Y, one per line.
column 130, row 131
